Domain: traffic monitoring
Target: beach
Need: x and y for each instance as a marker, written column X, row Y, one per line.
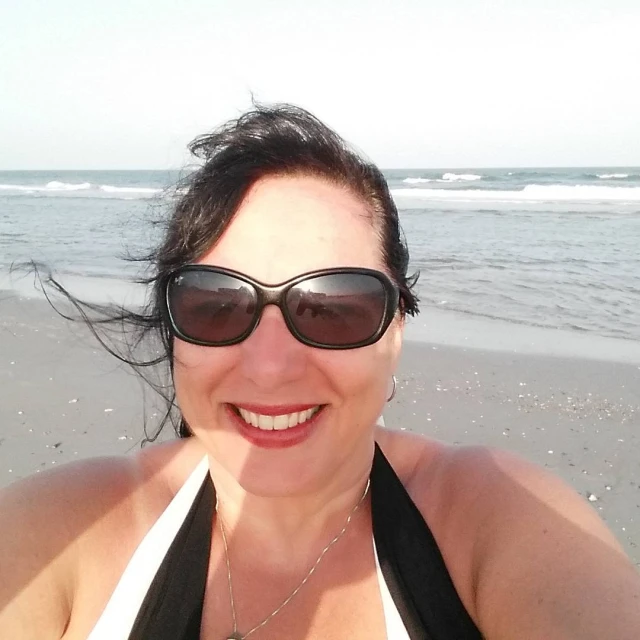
column 575, row 413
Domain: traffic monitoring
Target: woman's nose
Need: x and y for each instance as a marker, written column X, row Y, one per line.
column 271, row 356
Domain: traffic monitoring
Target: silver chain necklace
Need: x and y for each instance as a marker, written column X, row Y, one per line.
column 237, row 636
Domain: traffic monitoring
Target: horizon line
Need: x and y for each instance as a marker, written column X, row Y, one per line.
column 416, row 168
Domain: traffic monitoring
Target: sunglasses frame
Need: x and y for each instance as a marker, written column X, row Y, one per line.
column 276, row 294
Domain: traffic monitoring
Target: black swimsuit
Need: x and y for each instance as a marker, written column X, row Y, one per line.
column 410, row 560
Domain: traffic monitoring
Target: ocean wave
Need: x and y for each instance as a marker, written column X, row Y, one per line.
column 81, row 189
column 457, row 177
column 530, row 193
column 417, row 180
column 612, row 176
column 14, row 187
column 109, row 189
column 54, row 185
column 446, row 177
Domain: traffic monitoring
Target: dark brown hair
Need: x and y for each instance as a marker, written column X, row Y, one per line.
column 266, row 141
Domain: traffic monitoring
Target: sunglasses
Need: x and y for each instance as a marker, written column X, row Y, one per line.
column 343, row 308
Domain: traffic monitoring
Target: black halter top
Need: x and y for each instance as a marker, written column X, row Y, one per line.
column 410, row 560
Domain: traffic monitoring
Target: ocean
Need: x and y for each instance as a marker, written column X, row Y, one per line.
column 550, row 248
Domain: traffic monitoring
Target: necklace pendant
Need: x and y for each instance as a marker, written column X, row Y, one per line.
column 234, row 636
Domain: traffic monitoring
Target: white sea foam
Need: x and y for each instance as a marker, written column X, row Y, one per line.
column 15, row 187
column 446, row 177
column 530, row 193
column 54, row 185
column 417, row 180
column 458, row 177
column 109, row 189
column 612, row 176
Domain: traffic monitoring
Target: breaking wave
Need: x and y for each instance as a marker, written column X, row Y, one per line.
column 446, row 177
column 417, row 180
column 109, row 189
column 612, row 176
column 54, row 185
column 85, row 189
column 530, row 193
column 459, row 177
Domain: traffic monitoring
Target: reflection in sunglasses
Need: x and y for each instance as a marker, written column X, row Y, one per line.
column 341, row 308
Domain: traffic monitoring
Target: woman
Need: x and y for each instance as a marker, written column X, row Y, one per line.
column 283, row 511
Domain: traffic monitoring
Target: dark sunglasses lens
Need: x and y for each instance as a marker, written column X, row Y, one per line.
column 338, row 309
column 211, row 307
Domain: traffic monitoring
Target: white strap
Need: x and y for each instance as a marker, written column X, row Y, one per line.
column 394, row 624
column 118, row 617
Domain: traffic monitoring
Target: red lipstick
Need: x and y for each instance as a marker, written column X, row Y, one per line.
column 275, row 409
column 275, row 439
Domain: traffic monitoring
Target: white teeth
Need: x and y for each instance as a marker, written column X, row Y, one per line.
column 249, row 417
column 279, row 423
column 265, row 422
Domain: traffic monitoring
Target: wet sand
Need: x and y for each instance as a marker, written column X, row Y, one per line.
column 64, row 398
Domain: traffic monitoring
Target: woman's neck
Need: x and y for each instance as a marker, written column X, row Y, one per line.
column 290, row 528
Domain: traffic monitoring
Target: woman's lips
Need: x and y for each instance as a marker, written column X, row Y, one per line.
column 271, row 427
column 274, row 409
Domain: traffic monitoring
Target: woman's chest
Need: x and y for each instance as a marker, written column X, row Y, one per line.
column 341, row 599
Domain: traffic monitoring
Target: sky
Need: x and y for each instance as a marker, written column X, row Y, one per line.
column 412, row 83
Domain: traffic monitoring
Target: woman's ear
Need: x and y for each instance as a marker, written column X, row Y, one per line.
column 397, row 336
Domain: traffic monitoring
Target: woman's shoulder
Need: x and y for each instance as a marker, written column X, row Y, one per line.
column 83, row 493
column 55, row 522
column 45, row 520
column 523, row 548
column 464, row 488
column 60, row 505
column 480, row 483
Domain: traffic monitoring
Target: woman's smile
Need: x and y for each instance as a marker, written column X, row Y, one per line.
column 273, row 427
column 276, row 418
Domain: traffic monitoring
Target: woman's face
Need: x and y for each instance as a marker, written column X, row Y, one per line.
column 287, row 226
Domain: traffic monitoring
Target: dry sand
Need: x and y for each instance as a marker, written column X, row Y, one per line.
column 63, row 398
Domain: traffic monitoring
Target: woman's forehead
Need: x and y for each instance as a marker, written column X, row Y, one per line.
column 289, row 225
